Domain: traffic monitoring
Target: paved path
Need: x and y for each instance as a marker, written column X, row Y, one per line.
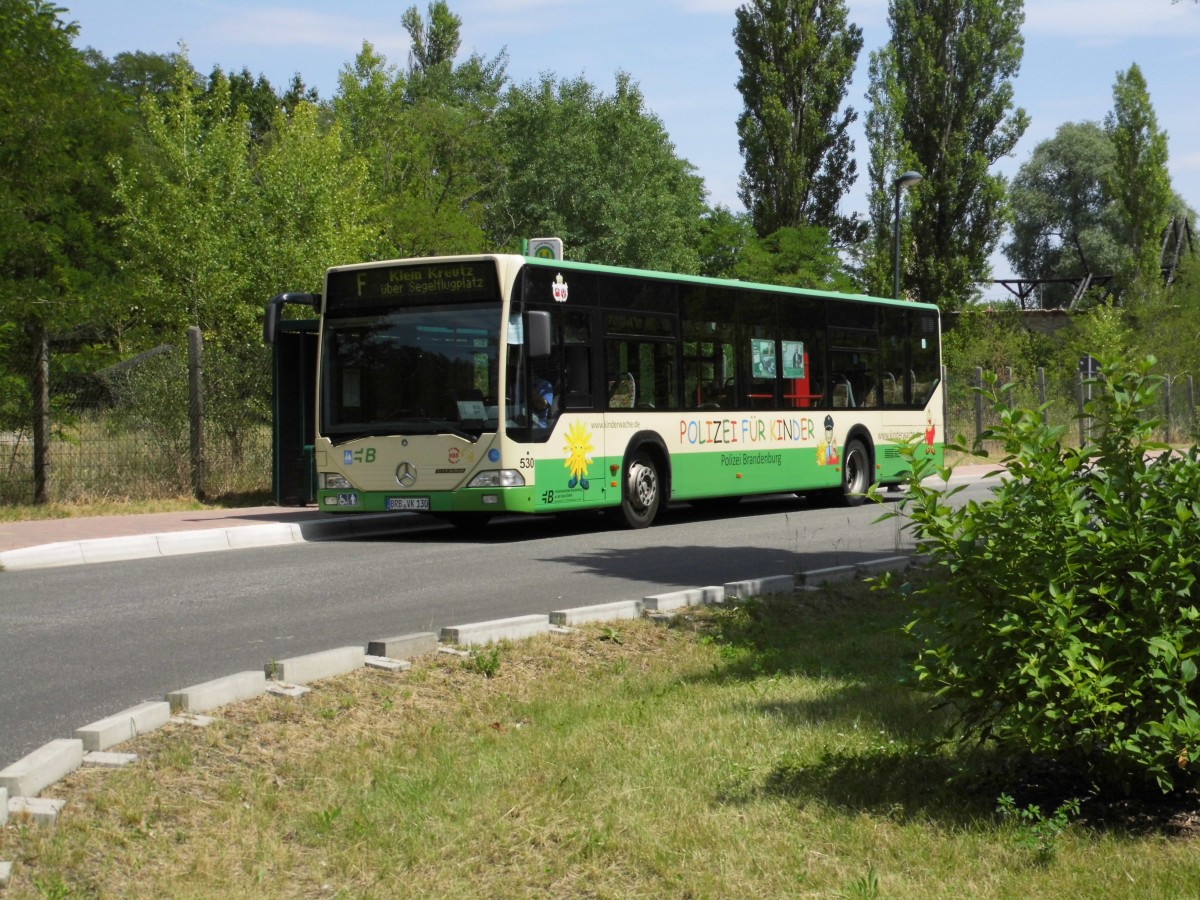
column 18, row 535
column 47, row 543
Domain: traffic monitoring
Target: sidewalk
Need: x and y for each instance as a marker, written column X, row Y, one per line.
column 43, row 543
column 17, row 535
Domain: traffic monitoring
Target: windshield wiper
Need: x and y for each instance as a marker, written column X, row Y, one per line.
column 434, row 426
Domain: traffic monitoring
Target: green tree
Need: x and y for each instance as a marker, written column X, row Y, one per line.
column 1138, row 180
column 313, row 207
column 434, row 43
column 947, row 72
column 723, row 237
column 600, row 172
column 136, row 74
column 427, row 136
column 216, row 223
column 1063, row 216
column 1166, row 322
column 259, row 99
column 192, row 235
column 1059, row 615
column 57, row 251
column 184, row 209
column 873, row 257
column 798, row 257
column 797, row 58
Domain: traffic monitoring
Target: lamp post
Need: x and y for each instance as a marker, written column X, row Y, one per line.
column 907, row 179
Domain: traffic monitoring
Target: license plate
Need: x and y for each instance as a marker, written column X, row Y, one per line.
column 409, row 503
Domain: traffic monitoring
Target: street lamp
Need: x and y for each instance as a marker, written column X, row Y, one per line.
column 907, row 179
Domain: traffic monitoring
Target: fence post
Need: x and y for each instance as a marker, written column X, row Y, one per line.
column 978, row 402
column 1008, row 374
column 1083, row 429
column 1167, row 408
column 41, row 415
column 1041, row 382
column 196, row 407
column 1191, row 406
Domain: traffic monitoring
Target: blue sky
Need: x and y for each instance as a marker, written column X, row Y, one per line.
column 681, row 54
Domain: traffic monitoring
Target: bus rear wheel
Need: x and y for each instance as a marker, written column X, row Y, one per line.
column 642, row 492
column 856, row 473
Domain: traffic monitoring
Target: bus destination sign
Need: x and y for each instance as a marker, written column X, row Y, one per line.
column 420, row 284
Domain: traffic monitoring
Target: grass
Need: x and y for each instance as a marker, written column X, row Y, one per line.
column 183, row 503
column 765, row 749
column 102, row 466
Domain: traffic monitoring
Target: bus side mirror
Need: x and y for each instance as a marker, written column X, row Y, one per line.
column 274, row 311
column 538, row 323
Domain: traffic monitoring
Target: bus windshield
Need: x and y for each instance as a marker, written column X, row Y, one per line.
column 419, row 370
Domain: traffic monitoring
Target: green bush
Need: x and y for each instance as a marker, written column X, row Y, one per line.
column 1060, row 616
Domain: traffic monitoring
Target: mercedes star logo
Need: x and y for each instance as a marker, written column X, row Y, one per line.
column 406, row 474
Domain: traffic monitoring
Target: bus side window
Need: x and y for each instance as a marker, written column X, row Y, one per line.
column 578, row 394
column 622, row 392
column 843, row 392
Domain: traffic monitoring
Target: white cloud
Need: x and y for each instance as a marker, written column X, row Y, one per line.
column 1188, row 162
column 707, row 7
column 1110, row 21
column 278, row 26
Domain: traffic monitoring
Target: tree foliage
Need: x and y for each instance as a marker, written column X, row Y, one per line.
column 57, row 249
column 427, row 136
column 600, row 172
column 797, row 58
column 215, row 222
column 799, row 257
column 884, row 163
column 1063, row 216
column 1062, row 614
column 1138, row 180
column 55, row 130
column 946, row 76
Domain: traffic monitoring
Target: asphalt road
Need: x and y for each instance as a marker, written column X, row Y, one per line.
column 83, row 642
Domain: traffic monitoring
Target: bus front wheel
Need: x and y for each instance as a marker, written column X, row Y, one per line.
column 642, row 493
column 856, row 473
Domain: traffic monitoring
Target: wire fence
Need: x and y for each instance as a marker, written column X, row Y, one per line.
column 124, row 432
column 1064, row 398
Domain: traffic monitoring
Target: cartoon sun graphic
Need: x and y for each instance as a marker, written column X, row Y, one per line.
column 579, row 451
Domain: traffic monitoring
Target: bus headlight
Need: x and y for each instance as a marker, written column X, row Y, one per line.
column 495, row 478
column 332, row 481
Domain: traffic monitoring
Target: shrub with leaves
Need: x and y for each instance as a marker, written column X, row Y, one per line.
column 1061, row 613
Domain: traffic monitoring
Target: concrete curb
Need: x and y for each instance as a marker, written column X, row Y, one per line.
column 512, row 629
column 177, row 543
column 761, row 587
column 218, row 692
column 689, row 597
column 124, row 726
column 315, row 666
column 404, row 646
column 39, row 810
column 604, row 612
column 41, row 768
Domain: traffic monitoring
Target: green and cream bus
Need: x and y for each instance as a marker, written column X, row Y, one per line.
column 472, row 386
